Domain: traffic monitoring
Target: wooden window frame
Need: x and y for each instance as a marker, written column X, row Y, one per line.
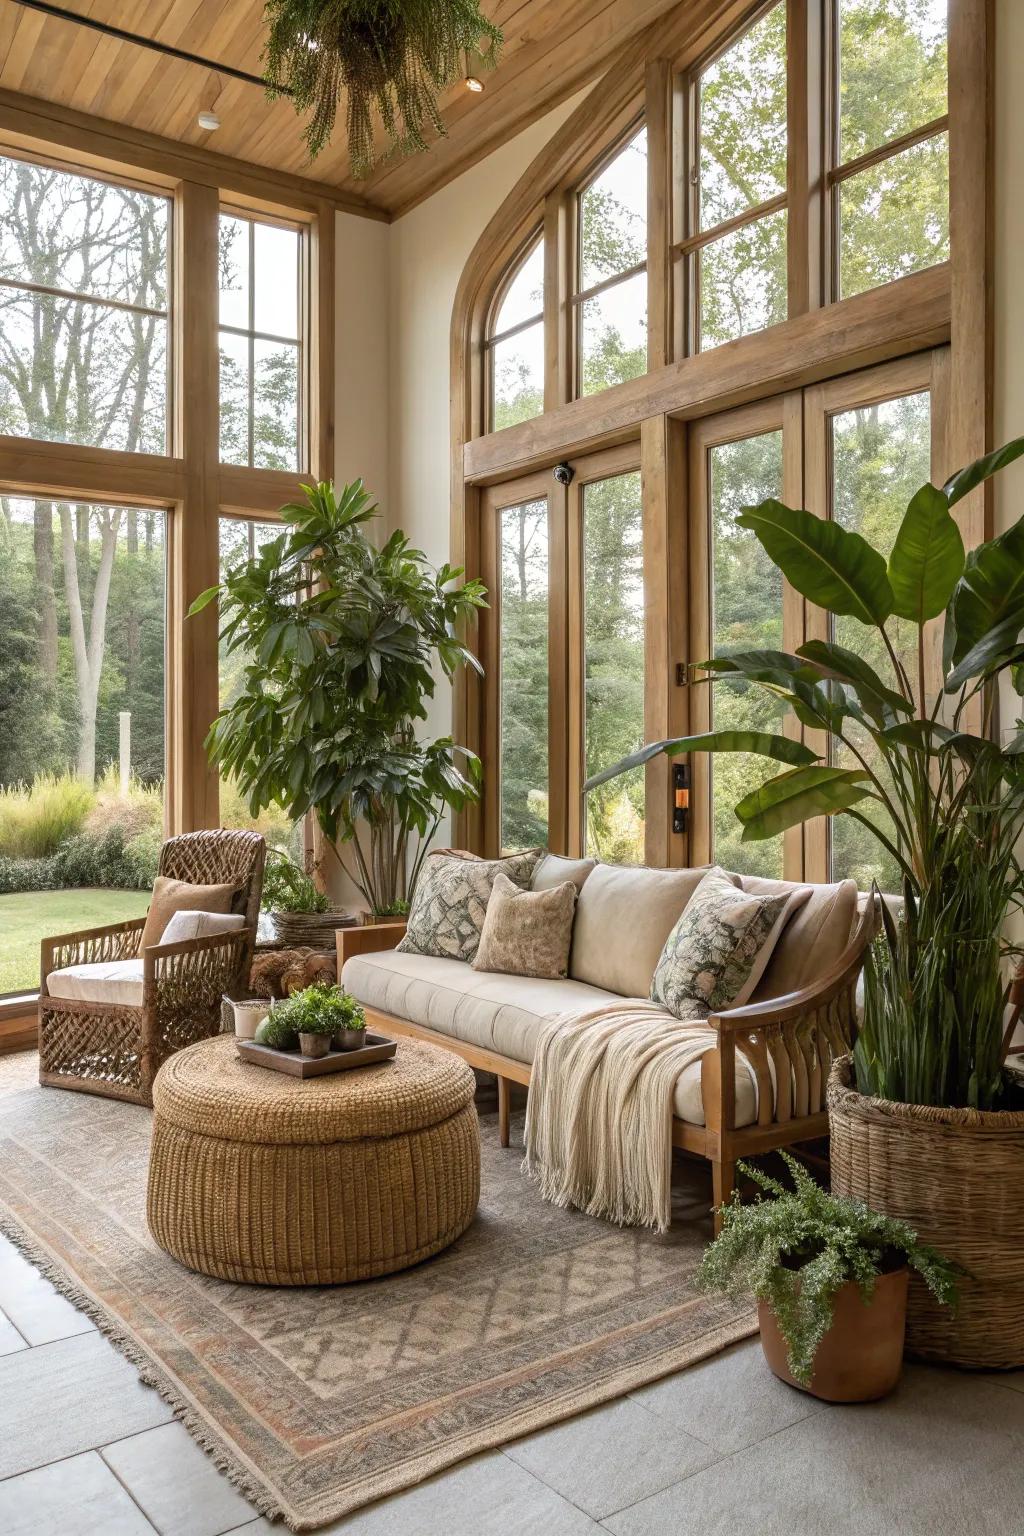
column 492, row 338
column 690, row 239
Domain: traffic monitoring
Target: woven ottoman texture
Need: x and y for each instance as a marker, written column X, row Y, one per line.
column 273, row 1180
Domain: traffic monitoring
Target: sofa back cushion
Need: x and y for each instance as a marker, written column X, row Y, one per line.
column 450, row 901
column 623, row 918
column 812, row 940
column 553, row 871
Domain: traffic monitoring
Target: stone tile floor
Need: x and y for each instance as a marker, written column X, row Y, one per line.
column 86, row 1450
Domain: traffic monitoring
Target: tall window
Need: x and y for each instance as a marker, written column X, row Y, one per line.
column 613, row 663
column 735, row 244
column 82, row 622
column 890, row 150
column 262, row 367
column 611, row 288
column 881, row 454
column 515, row 345
column 746, row 615
column 241, row 540
column 84, row 282
column 523, row 665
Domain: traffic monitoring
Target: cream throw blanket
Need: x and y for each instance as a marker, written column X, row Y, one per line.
column 599, row 1112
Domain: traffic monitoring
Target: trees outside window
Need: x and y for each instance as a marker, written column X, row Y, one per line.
column 515, row 345
column 611, row 290
column 262, row 383
column 523, row 671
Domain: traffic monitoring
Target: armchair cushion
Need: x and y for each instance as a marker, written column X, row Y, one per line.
column 200, row 925
column 170, row 896
column 118, row 982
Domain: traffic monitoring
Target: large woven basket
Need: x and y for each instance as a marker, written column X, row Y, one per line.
column 315, row 930
column 957, row 1176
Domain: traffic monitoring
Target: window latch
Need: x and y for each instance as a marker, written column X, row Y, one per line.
column 680, row 796
column 682, row 675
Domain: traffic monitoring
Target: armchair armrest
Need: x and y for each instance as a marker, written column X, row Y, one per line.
column 115, row 941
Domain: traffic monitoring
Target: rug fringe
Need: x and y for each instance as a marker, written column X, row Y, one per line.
column 150, row 1373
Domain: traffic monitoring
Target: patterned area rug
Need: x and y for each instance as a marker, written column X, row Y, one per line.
column 315, row 1402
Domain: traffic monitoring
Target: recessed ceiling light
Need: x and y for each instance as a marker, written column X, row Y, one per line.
column 474, row 83
column 208, row 120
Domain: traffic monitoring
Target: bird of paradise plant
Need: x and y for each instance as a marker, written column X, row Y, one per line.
column 936, row 988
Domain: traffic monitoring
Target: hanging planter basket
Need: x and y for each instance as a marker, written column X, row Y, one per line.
column 956, row 1176
column 389, row 59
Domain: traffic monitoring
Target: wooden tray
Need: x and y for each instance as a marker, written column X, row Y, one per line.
column 377, row 1048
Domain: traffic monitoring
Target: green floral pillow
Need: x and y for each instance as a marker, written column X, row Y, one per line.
column 450, row 902
column 720, row 945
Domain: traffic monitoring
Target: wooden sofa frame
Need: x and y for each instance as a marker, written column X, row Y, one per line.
column 800, row 1034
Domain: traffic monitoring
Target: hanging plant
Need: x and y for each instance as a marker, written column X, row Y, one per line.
column 391, row 58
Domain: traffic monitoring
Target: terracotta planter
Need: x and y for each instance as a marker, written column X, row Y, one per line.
column 956, row 1176
column 861, row 1356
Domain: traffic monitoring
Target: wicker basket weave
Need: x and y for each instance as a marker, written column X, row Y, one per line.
column 957, row 1176
column 316, row 930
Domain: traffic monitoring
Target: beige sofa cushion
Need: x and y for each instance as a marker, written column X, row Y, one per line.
column 104, row 981
column 503, row 1013
column 623, row 918
column 812, row 940
column 554, row 870
column 527, row 933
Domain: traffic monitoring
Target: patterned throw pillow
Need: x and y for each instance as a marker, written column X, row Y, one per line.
column 527, row 933
column 719, row 947
column 450, row 902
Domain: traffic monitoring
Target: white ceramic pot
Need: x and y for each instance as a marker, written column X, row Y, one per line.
column 249, row 1015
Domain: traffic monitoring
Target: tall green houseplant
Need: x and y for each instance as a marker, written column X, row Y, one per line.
column 953, row 797
column 342, row 641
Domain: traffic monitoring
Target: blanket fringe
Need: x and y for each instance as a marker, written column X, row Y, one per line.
column 151, row 1374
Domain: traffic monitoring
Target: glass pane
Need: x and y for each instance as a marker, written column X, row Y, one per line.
column 82, row 628
column 613, row 657
column 518, row 377
column 75, row 372
column 276, row 285
column 894, row 217
column 525, row 295
column 613, row 216
column 234, row 272
column 881, row 455
column 524, row 674
column 746, row 615
column 742, row 134
column 892, row 70
column 275, row 405
column 240, row 541
column 234, row 398
column 743, row 281
column 613, row 335
column 62, row 230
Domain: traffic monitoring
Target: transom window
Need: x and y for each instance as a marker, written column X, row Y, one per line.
column 610, row 300
column 84, row 280
column 262, row 374
column 515, row 344
column 890, row 142
column 734, row 248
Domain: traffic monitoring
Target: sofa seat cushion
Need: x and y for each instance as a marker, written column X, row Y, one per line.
column 503, row 1013
column 105, row 981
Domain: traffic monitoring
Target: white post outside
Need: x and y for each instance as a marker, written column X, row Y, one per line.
column 125, row 719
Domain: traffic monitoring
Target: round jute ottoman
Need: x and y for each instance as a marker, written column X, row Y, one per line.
column 274, row 1180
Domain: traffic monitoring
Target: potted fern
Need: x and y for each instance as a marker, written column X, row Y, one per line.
column 924, row 1118
column 830, row 1279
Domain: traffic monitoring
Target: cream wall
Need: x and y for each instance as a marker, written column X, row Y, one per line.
column 361, row 327
column 1009, row 243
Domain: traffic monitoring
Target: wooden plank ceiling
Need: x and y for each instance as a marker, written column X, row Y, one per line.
column 552, row 49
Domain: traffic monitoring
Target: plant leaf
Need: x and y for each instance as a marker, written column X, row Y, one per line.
column 990, row 591
column 203, row 600
column 794, row 797
column 927, row 559
column 836, row 661
column 996, row 649
column 967, row 479
column 826, row 564
column 780, row 748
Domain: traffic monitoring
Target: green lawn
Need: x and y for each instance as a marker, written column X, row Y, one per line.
column 27, row 918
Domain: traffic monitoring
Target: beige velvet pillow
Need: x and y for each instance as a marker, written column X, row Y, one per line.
column 623, row 918
column 170, row 896
column 554, row 870
column 527, row 933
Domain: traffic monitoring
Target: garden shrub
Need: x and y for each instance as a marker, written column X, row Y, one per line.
column 140, row 810
column 36, row 818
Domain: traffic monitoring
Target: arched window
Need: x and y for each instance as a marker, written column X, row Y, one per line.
column 611, row 287
column 515, row 343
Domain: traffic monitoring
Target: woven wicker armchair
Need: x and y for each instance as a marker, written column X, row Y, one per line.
column 116, row 1050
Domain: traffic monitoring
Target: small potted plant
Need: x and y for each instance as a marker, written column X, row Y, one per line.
column 301, row 914
column 315, row 1017
column 830, row 1279
column 350, row 1030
